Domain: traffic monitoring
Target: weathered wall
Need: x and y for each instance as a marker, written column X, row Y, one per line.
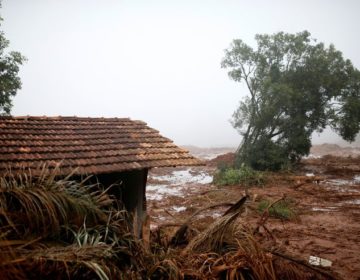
column 131, row 191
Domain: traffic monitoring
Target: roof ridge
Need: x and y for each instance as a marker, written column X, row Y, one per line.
column 70, row 118
column 26, row 117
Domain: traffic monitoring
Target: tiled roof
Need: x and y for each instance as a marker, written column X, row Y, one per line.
column 92, row 145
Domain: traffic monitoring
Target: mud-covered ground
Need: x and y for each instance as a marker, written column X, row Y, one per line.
column 325, row 193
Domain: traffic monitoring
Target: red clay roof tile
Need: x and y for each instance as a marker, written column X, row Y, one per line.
column 92, row 145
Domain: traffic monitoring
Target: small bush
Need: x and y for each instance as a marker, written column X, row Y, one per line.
column 284, row 209
column 243, row 176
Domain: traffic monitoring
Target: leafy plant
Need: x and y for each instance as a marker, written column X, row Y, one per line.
column 283, row 209
column 46, row 206
column 239, row 176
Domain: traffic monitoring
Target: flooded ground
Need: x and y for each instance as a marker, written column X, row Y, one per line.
column 328, row 209
column 176, row 183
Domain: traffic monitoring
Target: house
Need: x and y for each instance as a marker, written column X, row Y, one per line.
column 113, row 149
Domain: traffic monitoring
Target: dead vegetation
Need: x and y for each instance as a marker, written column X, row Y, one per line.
column 61, row 229
column 230, row 249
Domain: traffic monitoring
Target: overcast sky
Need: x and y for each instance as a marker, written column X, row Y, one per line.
column 157, row 61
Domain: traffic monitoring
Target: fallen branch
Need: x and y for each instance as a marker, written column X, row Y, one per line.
column 169, row 225
column 179, row 235
column 237, row 205
column 208, row 208
column 265, row 216
column 213, row 238
column 209, row 191
column 303, row 263
column 303, row 180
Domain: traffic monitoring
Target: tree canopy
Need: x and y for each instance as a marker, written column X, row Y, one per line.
column 296, row 86
column 10, row 82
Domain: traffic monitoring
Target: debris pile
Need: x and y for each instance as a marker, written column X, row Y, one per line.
column 228, row 249
column 52, row 229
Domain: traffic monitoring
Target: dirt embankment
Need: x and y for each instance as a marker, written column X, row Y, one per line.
column 222, row 160
column 209, row 153
column 334, row 150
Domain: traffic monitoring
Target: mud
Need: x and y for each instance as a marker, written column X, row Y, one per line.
column 328, row 209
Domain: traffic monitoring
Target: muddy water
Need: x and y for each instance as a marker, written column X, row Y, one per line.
column 177, row 183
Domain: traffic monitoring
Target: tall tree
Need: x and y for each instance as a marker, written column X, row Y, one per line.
column 10, row 82
column 296, row 86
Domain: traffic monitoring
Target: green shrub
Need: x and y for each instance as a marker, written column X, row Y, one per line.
column 283, row 209
column 264, row 155
column 241, row 176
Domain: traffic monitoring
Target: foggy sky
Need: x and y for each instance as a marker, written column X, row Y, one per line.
column 157, row 61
